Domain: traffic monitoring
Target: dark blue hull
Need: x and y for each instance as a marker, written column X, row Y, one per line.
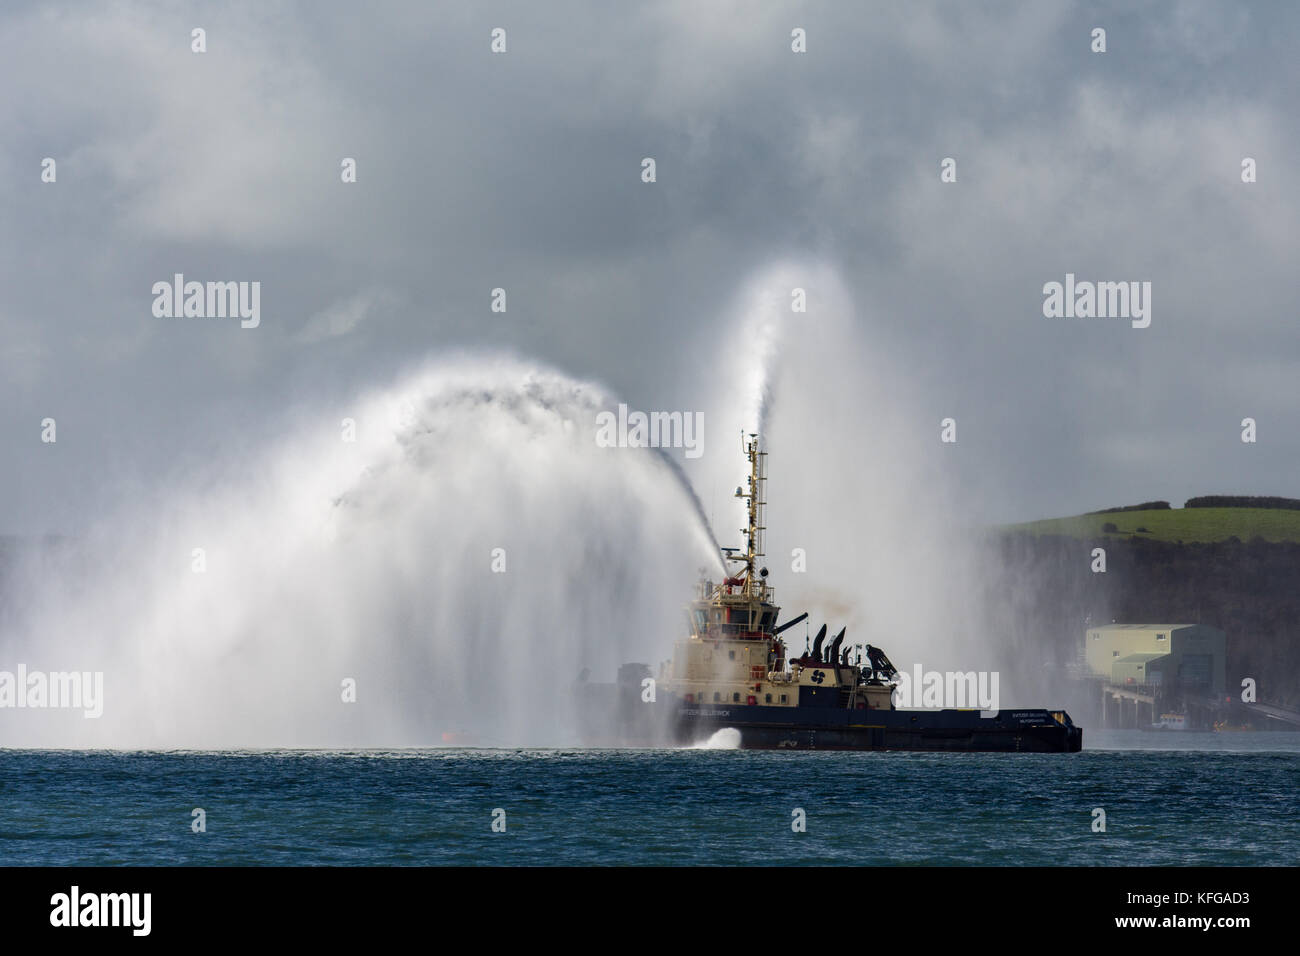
column 616, row 716
column 823, row 728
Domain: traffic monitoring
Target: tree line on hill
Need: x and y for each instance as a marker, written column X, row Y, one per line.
column 1145, row 506
column 1211, row 501
column 1243, row 501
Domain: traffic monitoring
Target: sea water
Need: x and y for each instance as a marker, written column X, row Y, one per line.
column 1168, row 799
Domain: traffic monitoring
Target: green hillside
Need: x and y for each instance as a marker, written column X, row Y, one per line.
column 1176, row 524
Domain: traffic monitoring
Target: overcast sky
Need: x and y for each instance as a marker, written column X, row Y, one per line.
column 522, row 170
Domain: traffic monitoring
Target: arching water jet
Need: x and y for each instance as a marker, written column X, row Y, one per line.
column 454, row 567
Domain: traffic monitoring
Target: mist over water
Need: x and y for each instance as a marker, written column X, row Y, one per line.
column 372, row 560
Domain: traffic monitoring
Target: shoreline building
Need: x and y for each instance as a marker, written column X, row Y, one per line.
column 1146, row 668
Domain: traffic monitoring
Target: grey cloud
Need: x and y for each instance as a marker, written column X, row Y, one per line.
column 521, row 171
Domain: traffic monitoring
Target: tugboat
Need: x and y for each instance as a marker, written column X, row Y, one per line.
column 732, row 670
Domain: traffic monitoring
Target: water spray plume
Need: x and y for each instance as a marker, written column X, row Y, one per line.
column 855, row 475
column 461, row 561
column 475, row 549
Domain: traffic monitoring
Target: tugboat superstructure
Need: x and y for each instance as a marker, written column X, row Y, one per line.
column 734, row 653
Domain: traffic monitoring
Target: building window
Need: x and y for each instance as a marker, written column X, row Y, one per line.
column 783, row 698
column 768, row 700
column 735, row 698
column 716, row 697
column 1162, row 637
column 1114, row 653
column 731, row 655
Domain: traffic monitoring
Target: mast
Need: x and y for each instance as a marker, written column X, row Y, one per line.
column 755, row 583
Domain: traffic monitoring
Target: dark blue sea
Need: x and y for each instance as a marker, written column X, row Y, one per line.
column 1233, row 801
